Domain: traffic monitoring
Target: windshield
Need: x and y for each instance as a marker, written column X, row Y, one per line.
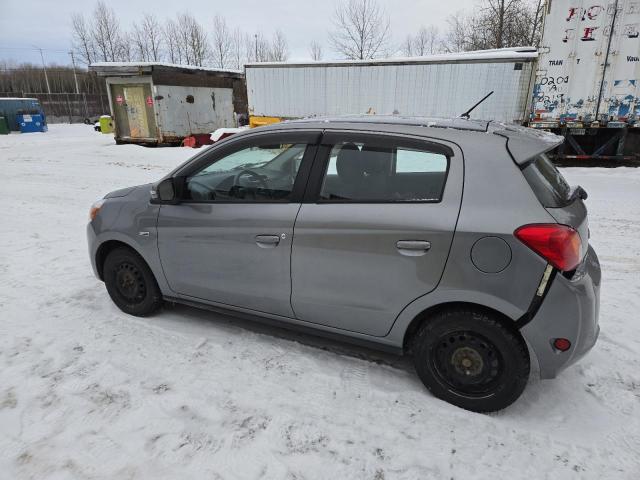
column 547, row 182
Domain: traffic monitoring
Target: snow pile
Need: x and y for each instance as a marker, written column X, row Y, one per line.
column 88, row 392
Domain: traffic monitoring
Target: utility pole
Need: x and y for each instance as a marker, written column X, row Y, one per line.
column 255, row 35
column 46, row 78
column 75, row 75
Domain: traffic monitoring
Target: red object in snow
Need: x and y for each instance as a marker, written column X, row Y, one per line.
column 197, row 140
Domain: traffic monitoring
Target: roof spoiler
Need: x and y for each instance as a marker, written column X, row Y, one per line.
column 525, row 144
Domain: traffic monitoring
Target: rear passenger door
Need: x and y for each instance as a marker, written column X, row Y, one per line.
column 375, row 229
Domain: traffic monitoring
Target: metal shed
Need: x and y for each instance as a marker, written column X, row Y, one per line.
column 159, row 103
column 437, row 85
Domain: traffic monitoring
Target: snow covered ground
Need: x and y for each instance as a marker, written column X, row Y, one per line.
column 88, row 392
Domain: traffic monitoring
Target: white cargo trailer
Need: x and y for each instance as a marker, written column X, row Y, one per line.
column 587, row 78
column 437, row 85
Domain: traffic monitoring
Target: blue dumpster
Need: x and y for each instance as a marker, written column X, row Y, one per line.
column 31, row 122
column 11, row 107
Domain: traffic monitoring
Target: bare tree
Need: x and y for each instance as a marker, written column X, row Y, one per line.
column 257, row 48
column 279, row 51
column 171, row 40
column 125, row 51
column 140, row 48
column 426, row 42
column 237, row 49
column 153, row 37
column 361, row 29
column 83, row 44
column 315, row 50
column 536, row 24
column 106, row 33
column 496, row 24
column 456, row 38
column 192, row 45
column 222, row 42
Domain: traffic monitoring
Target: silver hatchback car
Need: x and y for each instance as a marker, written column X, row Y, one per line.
column 456, row 241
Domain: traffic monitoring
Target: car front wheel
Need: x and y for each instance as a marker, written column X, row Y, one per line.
column 469, row 358
column 130, row 283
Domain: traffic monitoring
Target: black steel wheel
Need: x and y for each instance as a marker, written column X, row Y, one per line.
column 471, row 359
column 130, row 283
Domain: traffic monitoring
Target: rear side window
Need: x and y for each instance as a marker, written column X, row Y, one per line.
column 547, row 182
column 357, row 172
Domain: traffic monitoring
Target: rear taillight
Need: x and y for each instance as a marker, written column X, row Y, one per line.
column 559, row 245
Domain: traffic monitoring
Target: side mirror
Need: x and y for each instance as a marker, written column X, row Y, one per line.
column 165, row 191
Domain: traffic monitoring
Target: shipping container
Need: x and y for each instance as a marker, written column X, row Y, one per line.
column 11, row 107
column 157, row 103
column 586, row 84
column 438, row 85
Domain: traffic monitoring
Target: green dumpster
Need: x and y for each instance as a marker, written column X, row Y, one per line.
column 4, row 126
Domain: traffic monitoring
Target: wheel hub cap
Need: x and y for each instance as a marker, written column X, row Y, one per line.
column 130, row 283
column 467, row 361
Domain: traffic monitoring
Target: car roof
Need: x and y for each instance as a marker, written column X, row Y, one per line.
column 523, row 143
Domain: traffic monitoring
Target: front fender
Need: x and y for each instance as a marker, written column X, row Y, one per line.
column 130, row 220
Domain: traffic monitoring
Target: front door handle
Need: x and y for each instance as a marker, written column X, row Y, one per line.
column 413, row 248
column 267, row 241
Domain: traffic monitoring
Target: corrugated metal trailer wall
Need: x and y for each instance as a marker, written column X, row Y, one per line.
column 440, row 86
column 587, row 85
column 585, row 73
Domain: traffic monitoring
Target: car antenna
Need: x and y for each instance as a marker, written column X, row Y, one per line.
column 467, row 113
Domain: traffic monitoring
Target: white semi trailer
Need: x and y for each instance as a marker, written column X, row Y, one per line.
column 587, row 80
column 438, row 85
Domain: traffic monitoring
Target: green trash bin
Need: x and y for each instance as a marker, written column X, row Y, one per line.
column 4, row 126
column 106, row 124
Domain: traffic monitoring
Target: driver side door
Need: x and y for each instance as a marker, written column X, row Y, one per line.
column 228, row 239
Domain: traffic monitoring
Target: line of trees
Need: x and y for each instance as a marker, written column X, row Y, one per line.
column 361, row 30
column 183, row 40
column 29, row 78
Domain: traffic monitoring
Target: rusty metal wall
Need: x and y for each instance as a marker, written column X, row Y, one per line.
column 183, row 111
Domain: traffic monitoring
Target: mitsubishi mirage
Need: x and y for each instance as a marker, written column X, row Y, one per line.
column 454, row 241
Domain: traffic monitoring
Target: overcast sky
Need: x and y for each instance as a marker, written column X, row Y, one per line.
column 46, row 23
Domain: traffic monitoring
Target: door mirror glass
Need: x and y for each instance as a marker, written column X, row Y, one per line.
column 166, row 191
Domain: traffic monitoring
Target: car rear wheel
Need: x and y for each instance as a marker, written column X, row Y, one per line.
column 130, row 283
column 469, row 358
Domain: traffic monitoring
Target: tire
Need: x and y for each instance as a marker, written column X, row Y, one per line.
column 130, row 283
column 470, row 359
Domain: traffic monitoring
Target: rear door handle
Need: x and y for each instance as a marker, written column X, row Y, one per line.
column 267, row 241
column 413, row 248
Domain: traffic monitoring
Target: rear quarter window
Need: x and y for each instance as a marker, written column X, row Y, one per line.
column 547, row 183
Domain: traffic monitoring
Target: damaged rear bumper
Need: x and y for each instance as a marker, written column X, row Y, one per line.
column 569, row 310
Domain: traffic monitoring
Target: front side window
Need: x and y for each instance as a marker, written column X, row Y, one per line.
column 357, row 172
column 262, row 173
